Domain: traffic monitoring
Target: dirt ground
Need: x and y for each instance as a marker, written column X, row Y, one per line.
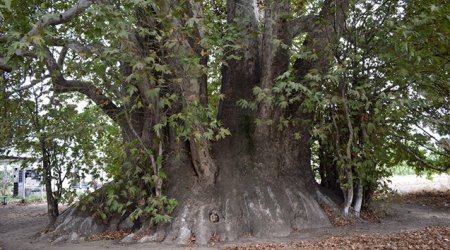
column 423, row 218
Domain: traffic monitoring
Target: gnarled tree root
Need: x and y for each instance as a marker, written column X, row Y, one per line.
column 263, row 210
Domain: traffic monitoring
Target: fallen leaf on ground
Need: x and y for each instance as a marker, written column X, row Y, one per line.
column 110, row 235
column 428, row 238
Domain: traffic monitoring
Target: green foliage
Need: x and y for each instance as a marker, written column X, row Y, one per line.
column 128, row 194
column 402, row 170
column 143, row 64
column 99, row 47
column 74, row 142
column 390, row 88
column 6, row 181
column 383, row 102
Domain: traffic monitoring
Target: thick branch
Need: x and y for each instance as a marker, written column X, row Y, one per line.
column 332, row 10
column 60, row 18
column 8, row 68
column 349, row 124
column 48, row 20
column 326, row 29
column 92, row 92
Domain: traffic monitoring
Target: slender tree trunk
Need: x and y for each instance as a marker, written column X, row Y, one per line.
column 359, row 198
column 328, row 171
column 348, row 190
column 52, row 203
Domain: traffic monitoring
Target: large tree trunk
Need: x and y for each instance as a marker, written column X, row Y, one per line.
column 265, row 185
column 258, row 181
column 248, row 198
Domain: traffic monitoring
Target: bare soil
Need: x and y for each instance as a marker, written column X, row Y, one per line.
column 411, row 221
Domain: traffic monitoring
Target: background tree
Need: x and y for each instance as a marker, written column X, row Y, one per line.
column 368, row 118
column 53, row 135
column 6, row 180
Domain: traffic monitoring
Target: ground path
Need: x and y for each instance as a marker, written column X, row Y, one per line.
column 20, row 223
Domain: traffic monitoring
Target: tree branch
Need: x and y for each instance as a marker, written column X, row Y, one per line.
column 422, row 145
column 62, row 56
column 424, row 162
column 32, row 84
column 49, row 20
column 426, row 132
column 4, row 66
column 5, row 38
column 61, row 85
column 55, row 19
column 77, row 46
column 15, row 158
column 302, row 24
column 329, row 12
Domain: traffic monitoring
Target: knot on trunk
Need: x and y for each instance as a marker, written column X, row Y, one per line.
column 214, row 216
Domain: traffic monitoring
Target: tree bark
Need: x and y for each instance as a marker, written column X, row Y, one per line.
column 264, row 176
column 258, row 180
column 328, row 172
column 52, row 203
column 359, row 198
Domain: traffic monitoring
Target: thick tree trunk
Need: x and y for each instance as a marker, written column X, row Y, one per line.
column 265, row 186
column 254, row 194
column 258, row 181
